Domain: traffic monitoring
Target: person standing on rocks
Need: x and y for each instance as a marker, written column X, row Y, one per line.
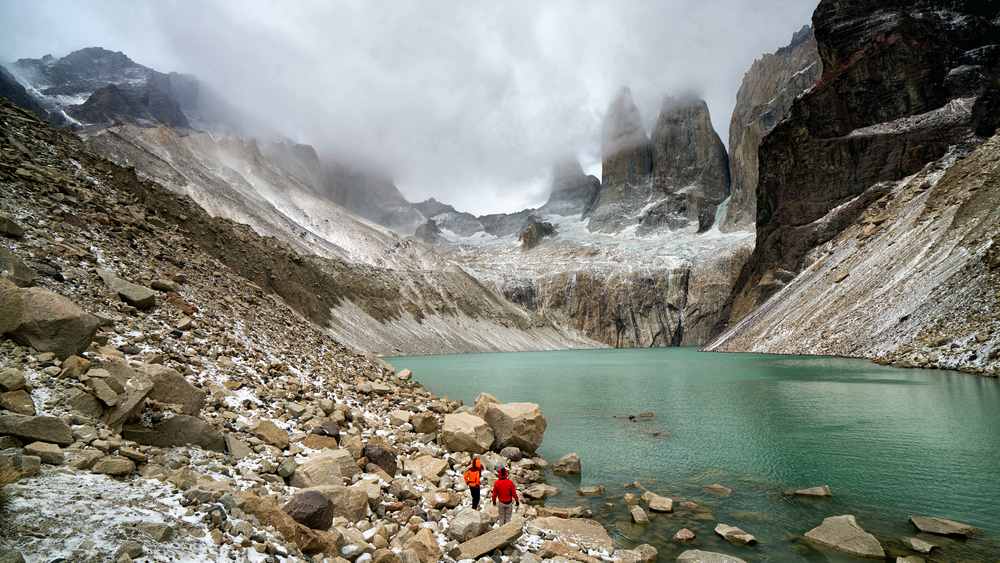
column 505, row 491
column 473, row 478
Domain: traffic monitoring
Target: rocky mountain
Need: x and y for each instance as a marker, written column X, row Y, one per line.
column 572, row 192
column 690, row 166
column 14, row 91
column 164, row 374
column 872, row 192
column 768, row 89
column 370, row 196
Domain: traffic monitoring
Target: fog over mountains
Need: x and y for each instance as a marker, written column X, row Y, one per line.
column 470, row 104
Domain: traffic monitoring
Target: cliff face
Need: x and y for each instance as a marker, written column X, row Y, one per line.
column 764, row 98
column 690, row 165
column 904, row 84
column 573, row 192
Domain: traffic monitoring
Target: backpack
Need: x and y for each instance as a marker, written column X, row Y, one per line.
column 471, row 478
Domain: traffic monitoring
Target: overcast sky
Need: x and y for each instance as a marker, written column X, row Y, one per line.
column 466, row 101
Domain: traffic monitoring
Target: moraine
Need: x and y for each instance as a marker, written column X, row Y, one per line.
column 889, row 442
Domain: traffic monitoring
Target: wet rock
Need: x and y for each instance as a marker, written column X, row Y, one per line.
column 44, row 320
column 564, row 511
column 311, row 509
column 638, row 515
column 170, row 387
column 699, row 556
column 568, row 464
column 942, row 526
column 178, row 430
column 591, row 491
column 464, row 432
column 489, row 542
column 657, row 503
column 330, row 467
column 684, row 535
column 424, row 423
column 115, row 466
column 18, row 402
column 516, row 424
column 382, row 456
column 820, row 491
column 732, row 534
column 48, row 453
column 843, row 533
column 918, row 545
column 270, row 434
column 36, row 428
column 719, row 489
column 140, row 297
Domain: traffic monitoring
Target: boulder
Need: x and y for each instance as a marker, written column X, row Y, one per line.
column 399, row 417
column 843, row 533
column 86, row 404
column 18, row 402
column 638, row 515
column 442, row 499
column 178, row 430
column 140, row 297
column 9, row 228
column 644, row 553
column 591, row 491
column 556, row 551
column 942, row 526
column 330, row 467
column 237, row 448
column 732, row 534
column 657, row 503
column 310, row 541
column 130, row 403
column 489, row 542
column 171, row 387
column 539, row 491
column 36, row 428
column 684, row 535
column 270, row 433
column 15, row 465
column 383, row 456
column 113, row 465
column 74, row 367
column 583, row 532
column 425, row 545
column 564, row 511
column 346, row 502
column 512, row 453
column 103, row 391
column 48, row 453
column 464, row 432
column 820, row 491
column 46, row 321
column 468, row 524
column 424, row 423
column 427, row 467
column 405, row 374
column 918, row 545
column 517, row 424
column 699, row 556
column 568, row 464
column 482, row 404
column 12, row 379
column 311, row 509
column 13, row 269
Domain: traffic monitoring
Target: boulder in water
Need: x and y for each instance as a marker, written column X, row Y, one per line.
column 699, row 556
column 843, row 533
column 732, row 534
column 942, row 526
column 568, row 464
column 517, row 424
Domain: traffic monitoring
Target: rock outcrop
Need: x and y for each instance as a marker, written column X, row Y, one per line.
column 768, row 89
column 573, row 192
column 846, row 256
column 690, row 166
column 626, row 166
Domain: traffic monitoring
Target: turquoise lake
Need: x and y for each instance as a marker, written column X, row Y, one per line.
column 889, row 442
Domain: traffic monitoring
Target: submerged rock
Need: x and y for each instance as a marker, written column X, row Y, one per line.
column 820, row 491
column 699, row 556
column 568, row 464
column 843, row 533
column 732, row 534
column 942, row 526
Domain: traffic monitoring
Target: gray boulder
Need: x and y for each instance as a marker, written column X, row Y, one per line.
column 942, row 526
column 140, row 297
column 699, row 556
column 468, row 524
column 171, row 387
column 517, row 424
column 178, row 430
column 568, row 464
column 36, row 428
column 843, row 533
column 46, row 321
column 464, row 432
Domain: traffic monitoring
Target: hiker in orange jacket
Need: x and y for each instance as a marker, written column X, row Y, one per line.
column 473, row 478
column 505, row 491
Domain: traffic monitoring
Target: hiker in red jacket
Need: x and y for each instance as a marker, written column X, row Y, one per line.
column 505, row 491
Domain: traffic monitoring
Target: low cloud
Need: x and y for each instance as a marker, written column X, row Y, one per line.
column 469, row 102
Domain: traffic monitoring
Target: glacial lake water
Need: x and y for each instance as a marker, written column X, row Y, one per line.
column 889, row 442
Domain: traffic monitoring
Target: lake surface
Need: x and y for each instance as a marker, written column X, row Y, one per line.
column 889, row 442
